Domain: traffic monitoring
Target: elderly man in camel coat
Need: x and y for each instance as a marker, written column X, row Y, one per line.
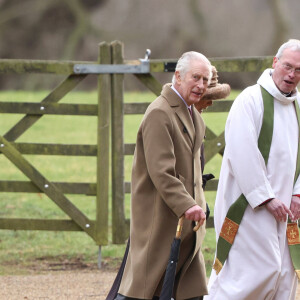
column 166, row 184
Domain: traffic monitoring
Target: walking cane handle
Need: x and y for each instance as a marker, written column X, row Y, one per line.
column 197, row 226
column 179, row 227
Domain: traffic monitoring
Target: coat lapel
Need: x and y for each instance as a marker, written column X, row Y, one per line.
column 199, row 129
column 181, row 111
column 186, row 120
column 194, row 130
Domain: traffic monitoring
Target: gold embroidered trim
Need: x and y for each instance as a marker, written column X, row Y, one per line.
column 217, row 266
column 298, row 273
column 292, row 233
column 229, row 230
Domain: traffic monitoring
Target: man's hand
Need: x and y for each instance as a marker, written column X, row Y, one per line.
column 279, row 210
column 195, row 213
column 295, row 208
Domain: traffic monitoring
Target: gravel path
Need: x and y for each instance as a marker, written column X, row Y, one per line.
column 67, row 285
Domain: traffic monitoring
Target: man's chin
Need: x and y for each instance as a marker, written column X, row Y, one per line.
column 287, row 88
column 196, row 100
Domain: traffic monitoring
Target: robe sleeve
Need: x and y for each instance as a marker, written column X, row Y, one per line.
column 244, row 158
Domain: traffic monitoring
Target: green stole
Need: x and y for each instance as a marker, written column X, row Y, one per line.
column 236, row 211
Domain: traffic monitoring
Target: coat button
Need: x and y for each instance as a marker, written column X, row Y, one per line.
column 195, row 184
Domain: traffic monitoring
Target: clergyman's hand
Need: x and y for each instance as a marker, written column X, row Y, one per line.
column 295, row 208
column 279, row 210
column 195, row 213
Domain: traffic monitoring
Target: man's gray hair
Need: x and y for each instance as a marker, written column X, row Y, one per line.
column 183, row 64
column 292, row 44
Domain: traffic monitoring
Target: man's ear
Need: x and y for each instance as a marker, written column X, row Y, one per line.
column 275, row 60
column 178, row 77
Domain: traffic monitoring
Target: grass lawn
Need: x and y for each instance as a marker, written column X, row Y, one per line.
column 23, row 248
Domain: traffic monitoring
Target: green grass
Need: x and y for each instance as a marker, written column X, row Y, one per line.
column 19, row 249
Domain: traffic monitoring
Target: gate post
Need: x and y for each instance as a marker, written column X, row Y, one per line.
column 104, row 100
column 119, row 228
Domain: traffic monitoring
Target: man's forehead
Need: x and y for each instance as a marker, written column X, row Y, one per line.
column 202, row 69
column 200, row 62
column 291, row 55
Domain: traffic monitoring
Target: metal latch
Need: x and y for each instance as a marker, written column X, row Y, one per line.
column 170, row 66
column 142, row 68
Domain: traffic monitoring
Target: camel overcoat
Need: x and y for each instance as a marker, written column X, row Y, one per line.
column 166, row 181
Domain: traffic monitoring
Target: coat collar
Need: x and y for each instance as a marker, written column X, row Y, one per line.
column 193, row 129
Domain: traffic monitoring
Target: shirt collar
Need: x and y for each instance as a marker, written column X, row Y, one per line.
column 173, row 88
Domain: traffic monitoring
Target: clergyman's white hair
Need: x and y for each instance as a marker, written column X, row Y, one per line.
column 292, row 44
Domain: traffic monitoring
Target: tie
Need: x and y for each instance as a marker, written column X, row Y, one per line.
column 191, row 113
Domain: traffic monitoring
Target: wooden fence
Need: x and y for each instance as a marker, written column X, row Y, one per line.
column 110, row 112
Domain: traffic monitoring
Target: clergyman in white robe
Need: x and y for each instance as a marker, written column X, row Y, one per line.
column 259, row 265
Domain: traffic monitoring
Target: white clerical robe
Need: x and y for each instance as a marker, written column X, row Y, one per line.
column 259, row 264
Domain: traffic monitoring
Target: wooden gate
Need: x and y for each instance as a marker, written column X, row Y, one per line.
column 96, row 228
column 110, row 111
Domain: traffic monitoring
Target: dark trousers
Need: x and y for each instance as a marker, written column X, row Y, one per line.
column 121, row 297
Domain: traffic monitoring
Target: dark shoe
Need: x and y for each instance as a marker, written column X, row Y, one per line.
column 121, row 297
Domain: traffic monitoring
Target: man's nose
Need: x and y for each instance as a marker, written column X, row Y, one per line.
column 200, row 84
column 292, row 74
